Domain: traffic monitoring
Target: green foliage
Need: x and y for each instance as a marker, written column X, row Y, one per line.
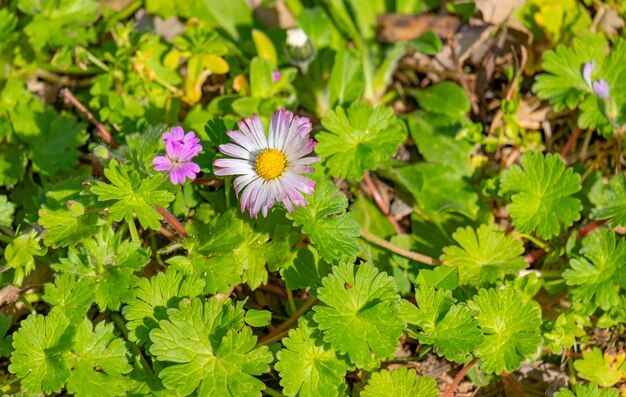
column 600, row 368
column 359, row 316
column 359, row 139
column 213, row 353
column 596, row 276
column 484, row 255
column 401, row 382
column 612, row 204
column 449, row 327
column 133, row 195
column 50, row 352
column 20, row 255
column 542, row 190
column 308, row 366
column 588, row 390
column 324, row 220
column 510, row 326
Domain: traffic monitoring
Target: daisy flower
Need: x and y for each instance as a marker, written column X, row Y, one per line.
column 269, row 167
column 178, row 161
column 178, row 135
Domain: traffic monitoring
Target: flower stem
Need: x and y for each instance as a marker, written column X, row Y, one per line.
column 292, row 319
column 102, row 131
column 381, row 203
column 171, row 220
column 134, row 234
column 271, row 392
column 459, row 377
column 416, row 256
column 513, row 385
column 119, row 322
column 292, row 304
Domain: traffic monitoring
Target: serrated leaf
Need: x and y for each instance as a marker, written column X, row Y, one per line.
column 596, row 277
column 307, row 270
column 359, row 316
column 599, row 368
column 257, row 318
column 400, row 382
column 20, row 255
column 563, row 83
column 327, row 225
column 7, row 209
column 64, row 228
column 307, row 366
column 110, row 263
column 484, row 255
column 359, row 139
column 612, row 203
column 42, row 356
column 542, row 190
column 133, row 194
column 588, row 390
column 70, row 297
column 450, row 328
column 211, row 353
column 153, row 297
column 510, row 326
column 100, row 362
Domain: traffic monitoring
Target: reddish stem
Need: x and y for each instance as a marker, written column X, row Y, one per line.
column 169, row 235
column 384, row 207
column 570, row 142
column 536, row 255
column 513, row 385
column 102, row 131
column 171, row 220
column 459, row 377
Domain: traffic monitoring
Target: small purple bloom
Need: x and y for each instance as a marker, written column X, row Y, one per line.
column 178, row 135
column 275, row 76
column 587, row 72
column 601, row 89
column 178, row 161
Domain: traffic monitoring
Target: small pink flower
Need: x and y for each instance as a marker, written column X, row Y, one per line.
column 178, row 135
column 178, row 161
column 275, row 76
column 269, row 167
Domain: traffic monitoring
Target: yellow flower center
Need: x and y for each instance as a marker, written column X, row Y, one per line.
column 270, row 164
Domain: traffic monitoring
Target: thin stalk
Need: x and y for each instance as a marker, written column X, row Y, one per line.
column 134, row 234
column 271, row 392
column 172, row 220
column 384, row 207
column 416, row 256
column 102, row 131
column 119, row 322
column 25, row 301
column 513, row 385
column 459, row 377
column 292, row 304
column 535, row 240
column 287, row 324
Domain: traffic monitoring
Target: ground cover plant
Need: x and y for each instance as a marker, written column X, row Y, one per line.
column 411, row 198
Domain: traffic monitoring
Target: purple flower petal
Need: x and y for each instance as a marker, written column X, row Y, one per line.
column 588, row 71
column 601, row 89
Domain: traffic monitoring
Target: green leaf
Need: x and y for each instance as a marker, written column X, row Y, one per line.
column 55, row 147
column 232, row 16
column 588, row 390
column 257, row 318
column 563, row 83
column 444, row 98
column 64, row 228
column 345, row 85
column 153, row 297
column 439, row 277
column 612, row 203
column 428, row 42
column 70, row 297
column 511, row 328
column 359, row 139
column 307, row 366
column 600, row 368
column 484, row 255
column 42, row 353
column 360, row 313
column 307, row 270
column 596, row 278
column 327, row 225
column 100, row 362
column 110, row 263
column 211, row 353
column 20, row 255
column 449, row 327
column 7, row 209
column 133, row 194
column 542, row 191
column 400, row 382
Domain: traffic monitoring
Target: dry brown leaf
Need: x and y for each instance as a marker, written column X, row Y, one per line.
column 393, row 27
